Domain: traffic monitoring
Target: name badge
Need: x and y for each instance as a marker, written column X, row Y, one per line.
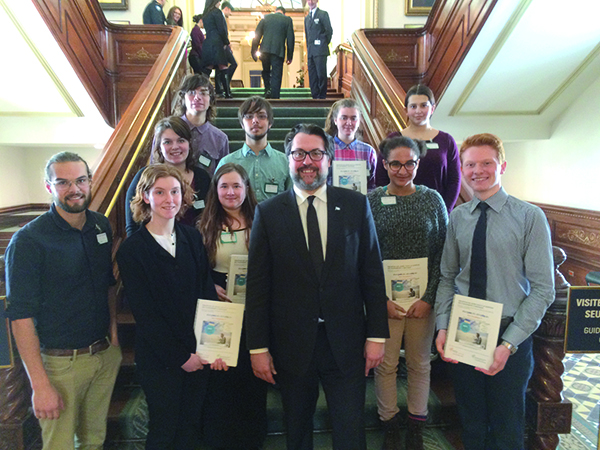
column 271, row 188
column 432, row 145
column 198, row 204
column 102, row 239
column 204, row 160
column 317, row 41
column 228, row 237
column 388, row 200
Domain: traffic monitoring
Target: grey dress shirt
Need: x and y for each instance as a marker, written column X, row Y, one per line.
column 519, row 260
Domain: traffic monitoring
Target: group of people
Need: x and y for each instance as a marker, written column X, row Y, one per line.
column 209, row 52
column 273, row 43
column 316, row 309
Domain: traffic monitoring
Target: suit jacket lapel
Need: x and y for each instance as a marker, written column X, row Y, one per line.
column 335, row 227
column 294, row 229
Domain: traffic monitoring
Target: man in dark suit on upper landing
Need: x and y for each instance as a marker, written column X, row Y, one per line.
column 317, row 28
column 316, row 303
column 153, row 13
column 272, row 33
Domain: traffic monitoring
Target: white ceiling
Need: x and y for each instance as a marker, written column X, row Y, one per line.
column 532, row 59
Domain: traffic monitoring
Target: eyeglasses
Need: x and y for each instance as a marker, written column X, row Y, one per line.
column 300, row 155
column 63, row 185
column 259, row 116
column 395, row 166
column 199, row 92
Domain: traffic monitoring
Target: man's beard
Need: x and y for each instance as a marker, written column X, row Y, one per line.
column 319, row 181
column 75, row 208
column 256, row 137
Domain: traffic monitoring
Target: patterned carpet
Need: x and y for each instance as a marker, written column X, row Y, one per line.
column 582, row 388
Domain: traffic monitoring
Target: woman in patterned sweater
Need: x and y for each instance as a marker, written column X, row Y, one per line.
column 411, row 223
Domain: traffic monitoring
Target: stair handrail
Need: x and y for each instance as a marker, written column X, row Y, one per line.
column 128, row 147
column 388, row 89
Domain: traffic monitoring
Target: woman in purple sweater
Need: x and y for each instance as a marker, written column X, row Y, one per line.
column 439, row 168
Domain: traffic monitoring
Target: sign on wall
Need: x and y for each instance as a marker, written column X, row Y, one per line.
column 583, row 320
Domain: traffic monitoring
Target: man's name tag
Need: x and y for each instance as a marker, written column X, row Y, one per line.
column 432, row 145
column 317, row 41
column 317, row 21
column 199, row 204
column 271, row 188
column 387, row 201
column 102, row 239
column 204, row 160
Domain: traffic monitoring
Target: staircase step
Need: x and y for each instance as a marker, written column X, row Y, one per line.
column 284, row 123
column 300, row 109
column 282, row 102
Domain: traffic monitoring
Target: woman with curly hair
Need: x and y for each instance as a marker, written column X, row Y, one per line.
column 165, row 271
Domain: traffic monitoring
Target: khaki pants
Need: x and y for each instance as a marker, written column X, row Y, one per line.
column 85, row 384
column 418, row 334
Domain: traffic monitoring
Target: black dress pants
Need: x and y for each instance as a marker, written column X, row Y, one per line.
column 175, row 398
column 344, row 392
column 272, row 73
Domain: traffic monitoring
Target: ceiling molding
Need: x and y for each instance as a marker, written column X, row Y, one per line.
column 489, row 59
column 34, row 114
column 569, row 80
column 64, row 93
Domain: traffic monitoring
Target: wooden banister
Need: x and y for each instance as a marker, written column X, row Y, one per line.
column 110, row 60
column 388, row 61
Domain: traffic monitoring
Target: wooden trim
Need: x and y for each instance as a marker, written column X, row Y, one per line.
column 26, row 207
column 577, row 232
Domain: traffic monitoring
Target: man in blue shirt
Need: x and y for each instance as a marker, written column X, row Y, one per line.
column 154, row 14
column 518, row 272
column 58, row 275
column 267, row 168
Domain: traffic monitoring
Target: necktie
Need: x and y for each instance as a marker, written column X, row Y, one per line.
column 478, row 277
column 315, row 246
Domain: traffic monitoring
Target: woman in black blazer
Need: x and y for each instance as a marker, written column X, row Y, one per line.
column 165, row 271
column 214, row 47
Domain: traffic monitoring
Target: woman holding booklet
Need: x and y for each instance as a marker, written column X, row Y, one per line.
column 411, row 223
column 165, row 270
column 235, row 414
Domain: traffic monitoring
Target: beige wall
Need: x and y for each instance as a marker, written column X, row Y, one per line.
column 22, row 173
column 565, row 169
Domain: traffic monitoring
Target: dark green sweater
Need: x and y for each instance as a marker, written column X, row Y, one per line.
column 415, row 227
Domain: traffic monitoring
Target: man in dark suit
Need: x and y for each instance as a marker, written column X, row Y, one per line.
column 318, row 32
column 316, row 303
column 272, row 33
column 154, row 14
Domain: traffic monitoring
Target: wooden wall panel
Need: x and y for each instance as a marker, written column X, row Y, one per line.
column 577, row 232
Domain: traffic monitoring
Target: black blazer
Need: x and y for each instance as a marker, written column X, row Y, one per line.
column 285, row 297
column 213, row 49
column 320, row 29
column 275, row 30
column 163, row 292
